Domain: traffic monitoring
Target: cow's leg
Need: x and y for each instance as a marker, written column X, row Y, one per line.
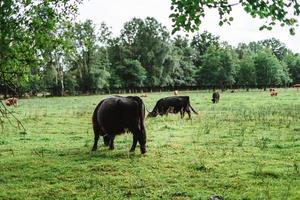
column 181, row 114
column 111, row 143
column 188, row 111
column 135, row 140
column 142, row 140
column 96, row 138
column 106, row 140
column 140, row 135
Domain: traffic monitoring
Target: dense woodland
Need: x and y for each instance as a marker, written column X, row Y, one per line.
column 75, row 57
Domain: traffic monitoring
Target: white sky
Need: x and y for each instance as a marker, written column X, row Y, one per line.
column 244, row 28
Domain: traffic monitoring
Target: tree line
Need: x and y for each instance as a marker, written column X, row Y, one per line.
column 80, row 57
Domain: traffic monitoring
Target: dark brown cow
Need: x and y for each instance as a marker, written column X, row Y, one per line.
column 215, row 97
column 115, row 115
column 172, row 104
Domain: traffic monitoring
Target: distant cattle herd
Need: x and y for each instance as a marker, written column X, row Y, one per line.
column 117, row 114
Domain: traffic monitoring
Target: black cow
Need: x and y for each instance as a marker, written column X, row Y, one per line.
column 215, row 97
column 115, row 115
column 173, row 104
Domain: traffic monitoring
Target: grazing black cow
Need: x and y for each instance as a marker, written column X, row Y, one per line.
column 115, row 115
column 215, row 97
column 173, row 104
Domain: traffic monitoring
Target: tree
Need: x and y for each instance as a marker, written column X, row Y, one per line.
column 247, row 75
column 57, row 59
column 183, row 68
column 26, row 30
column 50, row 79
column 99, row 70
column 243, row 50
column 255, row 47
column 278, row 48
column 83, row 61
column 219, row 67
column 208, row 72
column 188, row 14
column 147, row 41
column 200, row 43
column 131, row 73
column 105, row 34
column 269, row 71
column 229, row 66
column 117, row 54
column 293, row 64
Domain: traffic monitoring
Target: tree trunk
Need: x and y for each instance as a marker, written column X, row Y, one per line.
column 62, row 83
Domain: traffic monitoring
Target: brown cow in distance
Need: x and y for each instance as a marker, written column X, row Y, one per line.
column 273, row 92
column 11, row 101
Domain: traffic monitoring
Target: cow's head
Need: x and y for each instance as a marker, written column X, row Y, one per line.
column 154, row 113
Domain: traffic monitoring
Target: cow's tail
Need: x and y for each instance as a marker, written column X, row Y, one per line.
column 96, row 126
column 193, row 108
column 142, row 110
column 141, row 107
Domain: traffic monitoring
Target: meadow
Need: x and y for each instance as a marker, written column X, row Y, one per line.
column 245, row 147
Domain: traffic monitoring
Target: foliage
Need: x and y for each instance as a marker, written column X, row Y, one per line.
column 146, row 41
column 27, row 30
column 132, row 73
column 200, row 43
column 247, row 74
column 218, row 67
column 178, row 66
column 188, row 14
column 269, row 71
column 293, row 64
column 78, row 57
column 277, row 47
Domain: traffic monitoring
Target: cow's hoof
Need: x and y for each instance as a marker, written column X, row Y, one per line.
column 132, row 150
column 94, row 148
column 143, row 151
column 111, row 148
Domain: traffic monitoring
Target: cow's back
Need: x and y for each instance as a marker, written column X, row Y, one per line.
column 115, row 114
column 176, row 102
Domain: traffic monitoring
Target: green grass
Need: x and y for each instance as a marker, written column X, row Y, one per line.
column 245, row 147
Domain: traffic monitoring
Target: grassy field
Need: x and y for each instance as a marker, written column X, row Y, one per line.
column 245, row 147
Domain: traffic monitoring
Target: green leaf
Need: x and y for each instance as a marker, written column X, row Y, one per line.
column 292, row 31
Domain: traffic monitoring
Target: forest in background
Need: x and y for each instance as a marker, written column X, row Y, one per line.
column 81, row 57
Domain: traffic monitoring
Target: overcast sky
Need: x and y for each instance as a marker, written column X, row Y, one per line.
column 244, row 28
